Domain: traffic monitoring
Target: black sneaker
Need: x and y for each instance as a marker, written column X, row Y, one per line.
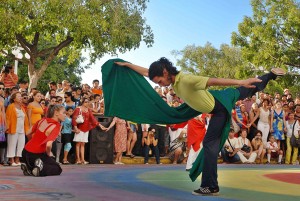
column 25, row 170
column 206, row 191
column 268, row 163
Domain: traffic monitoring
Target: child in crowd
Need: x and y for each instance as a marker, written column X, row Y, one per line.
column 273, row 151
column 66, row 134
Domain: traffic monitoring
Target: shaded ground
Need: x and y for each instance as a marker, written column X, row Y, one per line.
column 150, row 182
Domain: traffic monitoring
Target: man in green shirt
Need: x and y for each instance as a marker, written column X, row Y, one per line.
column 193, row 90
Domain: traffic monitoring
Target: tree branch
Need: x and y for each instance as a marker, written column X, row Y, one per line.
column 54, row 53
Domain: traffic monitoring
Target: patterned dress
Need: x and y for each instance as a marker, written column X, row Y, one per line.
column 120, row 135
column 278, row 126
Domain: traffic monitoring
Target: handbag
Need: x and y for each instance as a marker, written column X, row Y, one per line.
column 227, row 152
column 79, row 118
column 295, row 142
column 246, row 148
column 235, row 126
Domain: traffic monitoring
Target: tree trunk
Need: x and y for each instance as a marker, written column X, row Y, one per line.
column 33, row 80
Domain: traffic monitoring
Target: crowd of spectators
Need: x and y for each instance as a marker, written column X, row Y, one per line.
column 261, row 126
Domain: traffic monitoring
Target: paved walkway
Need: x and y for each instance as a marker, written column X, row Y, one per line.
column 150, row 183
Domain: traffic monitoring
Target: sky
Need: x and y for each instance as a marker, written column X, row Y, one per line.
column 177, row 24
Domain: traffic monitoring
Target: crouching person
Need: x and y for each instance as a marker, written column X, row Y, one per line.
column 230, row 149
column 37, row 157
column 151, row 143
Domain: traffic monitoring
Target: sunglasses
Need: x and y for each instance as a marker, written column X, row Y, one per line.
column 43, row 103
column 25, row 98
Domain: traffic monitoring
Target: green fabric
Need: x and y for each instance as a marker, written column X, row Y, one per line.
column 128, row 95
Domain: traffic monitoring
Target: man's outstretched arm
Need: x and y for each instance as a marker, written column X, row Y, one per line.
column 248, row 83
column 141, row 70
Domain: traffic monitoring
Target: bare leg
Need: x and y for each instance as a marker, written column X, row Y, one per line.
column 77, row 152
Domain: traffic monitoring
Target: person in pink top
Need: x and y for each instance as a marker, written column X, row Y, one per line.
column 82, row 129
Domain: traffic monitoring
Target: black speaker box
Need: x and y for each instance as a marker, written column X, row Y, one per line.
column 101, row 143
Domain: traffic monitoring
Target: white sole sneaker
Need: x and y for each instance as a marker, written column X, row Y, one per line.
column 278, row 71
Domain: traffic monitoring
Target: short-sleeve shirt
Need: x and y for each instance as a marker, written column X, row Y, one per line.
column 272, row 146
column 192, row 89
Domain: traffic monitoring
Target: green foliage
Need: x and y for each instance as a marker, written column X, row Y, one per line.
column 50, row 28
column 271, row 36
column 57, row 71
column 209, row 61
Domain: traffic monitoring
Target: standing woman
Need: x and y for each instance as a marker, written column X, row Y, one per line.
column 37, row 156
column 264, row 121
column 17, row 125
column 278, row 124
column 120, row 138
column 34, row 109
column 253, row 126
column 82, row 130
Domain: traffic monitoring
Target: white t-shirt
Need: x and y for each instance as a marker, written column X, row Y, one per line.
column 272, row 146
column 234, row 143
column 289, row 128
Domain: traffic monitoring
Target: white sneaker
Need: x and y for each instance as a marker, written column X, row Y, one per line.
column 14, row 164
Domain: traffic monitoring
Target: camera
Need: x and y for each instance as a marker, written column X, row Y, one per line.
column 6, row 68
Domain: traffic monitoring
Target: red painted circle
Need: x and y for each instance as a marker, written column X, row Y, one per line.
column 293, row 178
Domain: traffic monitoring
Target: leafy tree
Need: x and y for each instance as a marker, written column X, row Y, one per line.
column 271, row 37
column 209, row 61
column 46, row 29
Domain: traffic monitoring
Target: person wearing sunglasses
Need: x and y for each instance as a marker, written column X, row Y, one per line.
column 150, row 143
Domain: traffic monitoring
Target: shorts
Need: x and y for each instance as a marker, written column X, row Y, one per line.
column 81, row 137
column 274, row 154
column 133, row 127
column 145, row 127
column 67, row 137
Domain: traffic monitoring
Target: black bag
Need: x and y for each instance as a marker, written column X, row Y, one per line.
column 246, row 148
column 295, row 142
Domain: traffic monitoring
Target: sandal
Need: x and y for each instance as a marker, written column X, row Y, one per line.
column 78, row 163
column 65, row 162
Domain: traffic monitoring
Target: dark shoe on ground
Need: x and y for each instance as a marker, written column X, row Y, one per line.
column 38, row 163
column 132, row 156
column 206, row 191
column 36, row 172
column 267, row 162
column 278, row 71
column 25, row 170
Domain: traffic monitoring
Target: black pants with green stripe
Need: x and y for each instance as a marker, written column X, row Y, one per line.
column 216, row 125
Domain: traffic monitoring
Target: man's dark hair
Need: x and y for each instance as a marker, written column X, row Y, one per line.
column 52, row 83
column 157, row 68
column 1, row 83
column 95, row 81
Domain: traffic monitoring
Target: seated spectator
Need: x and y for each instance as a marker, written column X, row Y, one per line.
column 151, row 143
column 273, row 151
column 258, row 146
column 230, row 149
column 245, row 153
column 178, row 137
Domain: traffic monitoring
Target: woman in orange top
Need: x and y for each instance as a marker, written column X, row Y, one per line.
column 17, row 125
column 34, row 109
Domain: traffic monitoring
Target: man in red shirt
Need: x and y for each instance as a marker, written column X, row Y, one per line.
column 8, row 77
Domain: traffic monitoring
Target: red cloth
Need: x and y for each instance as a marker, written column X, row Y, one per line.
column 195, row 132
column 39, row 140
column 89, row 123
